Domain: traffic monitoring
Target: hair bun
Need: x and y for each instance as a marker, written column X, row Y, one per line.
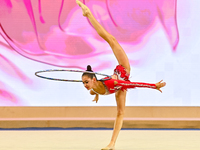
column 89, row 68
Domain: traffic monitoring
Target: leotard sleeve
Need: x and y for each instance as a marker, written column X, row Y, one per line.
column 115, row 85
column 128, row 85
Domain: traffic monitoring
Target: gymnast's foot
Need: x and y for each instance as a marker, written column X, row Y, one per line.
column 85, row 9
column 109, row 147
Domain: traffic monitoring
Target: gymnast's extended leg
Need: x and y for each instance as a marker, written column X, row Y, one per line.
column 116, row 48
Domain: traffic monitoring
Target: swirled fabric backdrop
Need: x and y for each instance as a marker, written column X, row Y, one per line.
column 38, row 35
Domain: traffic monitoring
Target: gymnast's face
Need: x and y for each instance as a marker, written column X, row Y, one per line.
column 88, row 82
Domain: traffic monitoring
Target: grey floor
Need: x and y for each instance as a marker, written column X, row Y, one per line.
column 97, row 139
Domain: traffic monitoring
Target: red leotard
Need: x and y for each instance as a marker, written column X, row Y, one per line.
column 123, row 83
column 114, row 85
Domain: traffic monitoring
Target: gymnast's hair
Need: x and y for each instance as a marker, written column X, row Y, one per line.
column 90, row 75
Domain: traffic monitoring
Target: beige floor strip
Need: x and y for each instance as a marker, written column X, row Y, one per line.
column 97, row 139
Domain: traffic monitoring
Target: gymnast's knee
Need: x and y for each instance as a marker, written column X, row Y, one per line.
column 120, row 113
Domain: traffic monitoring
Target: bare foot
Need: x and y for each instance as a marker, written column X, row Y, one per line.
column 108, row 148
column 160, row 85
column 111, row 146
column 85, row 9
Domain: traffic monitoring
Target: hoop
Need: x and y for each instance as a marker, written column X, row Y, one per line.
column 56, row 79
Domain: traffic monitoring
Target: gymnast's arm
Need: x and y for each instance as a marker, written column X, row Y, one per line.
column 96, row 98
column 156, row 86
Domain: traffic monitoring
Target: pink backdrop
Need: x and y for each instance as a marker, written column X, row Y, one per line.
column 56, row 34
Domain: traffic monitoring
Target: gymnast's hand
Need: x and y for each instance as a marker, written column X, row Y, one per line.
column 160, row 85
column 96, row 98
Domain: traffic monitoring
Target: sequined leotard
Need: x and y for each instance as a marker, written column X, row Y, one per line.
column 123, row 83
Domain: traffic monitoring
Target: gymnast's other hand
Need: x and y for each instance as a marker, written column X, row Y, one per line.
column 160, row 85
column 96, row 98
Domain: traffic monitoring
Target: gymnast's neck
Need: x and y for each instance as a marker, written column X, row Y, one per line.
column 99, row 87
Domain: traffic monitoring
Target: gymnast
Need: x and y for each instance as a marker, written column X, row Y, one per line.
column 120, row 79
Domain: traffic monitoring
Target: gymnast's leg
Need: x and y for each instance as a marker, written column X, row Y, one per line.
column 116, row 48
column 120, row 100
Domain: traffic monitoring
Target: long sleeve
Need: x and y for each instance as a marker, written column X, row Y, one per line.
column 113, row 85
column 127, row 85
